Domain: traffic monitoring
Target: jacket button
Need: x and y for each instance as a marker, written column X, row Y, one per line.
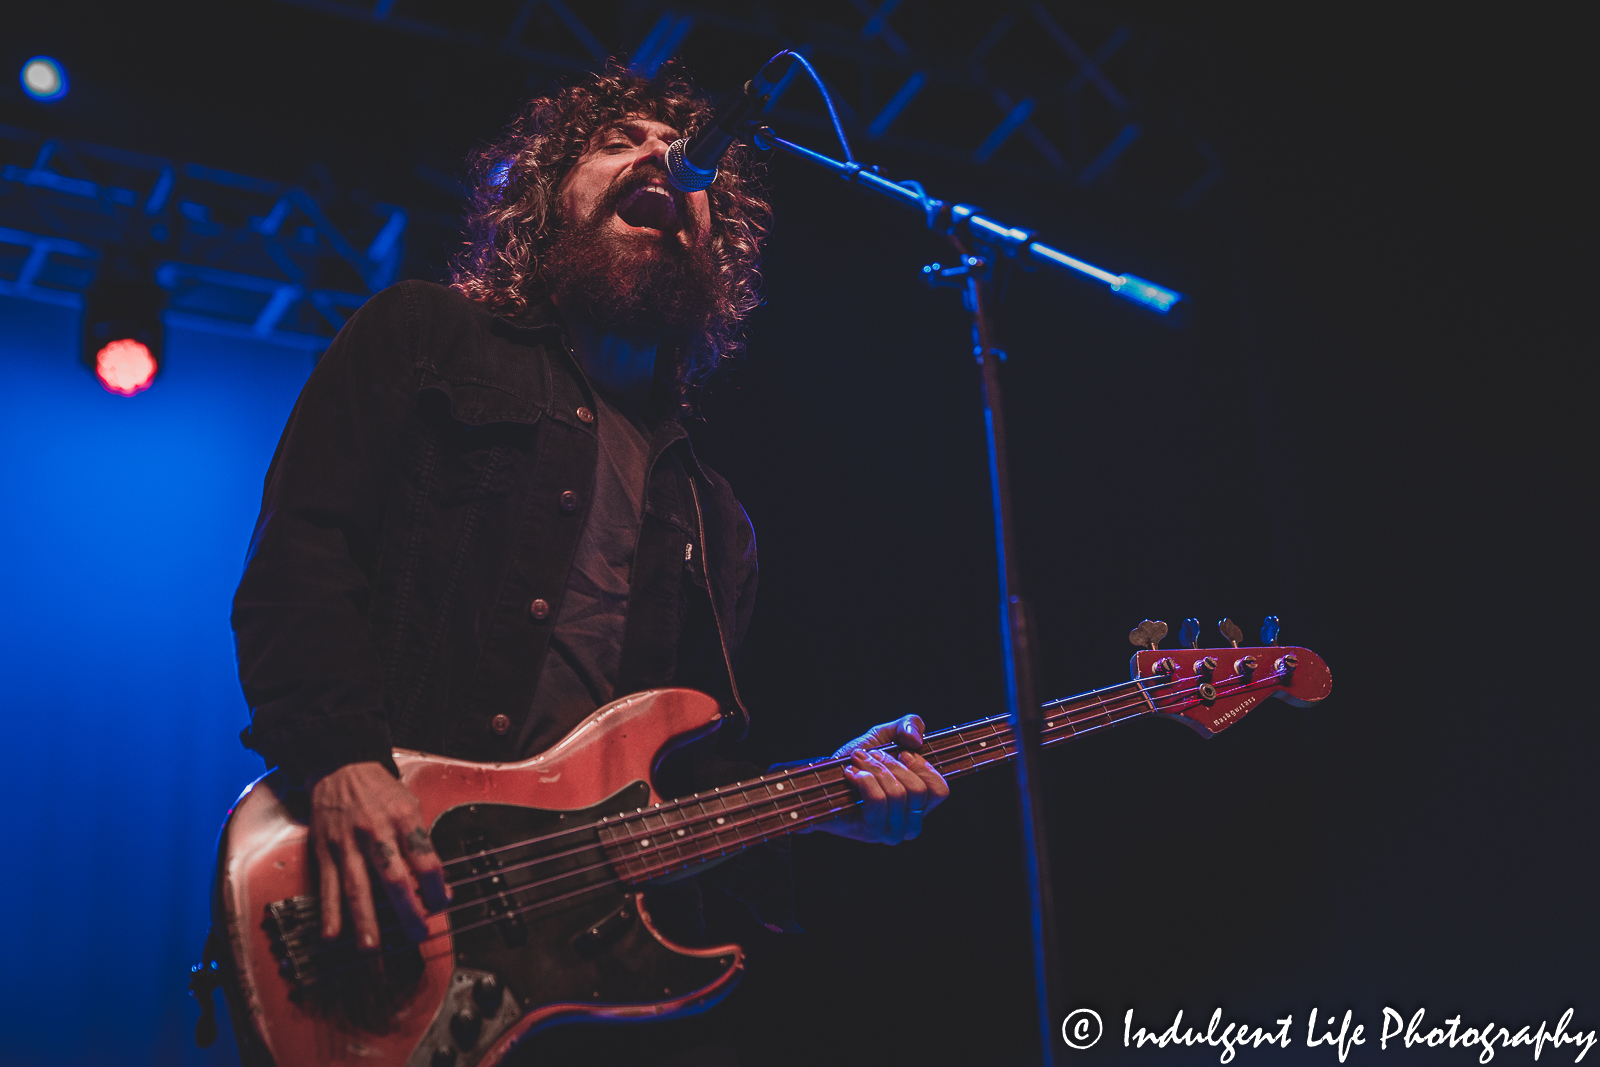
column 569, row 501
column 539, row 609
column 500, row 724
column 585, row 415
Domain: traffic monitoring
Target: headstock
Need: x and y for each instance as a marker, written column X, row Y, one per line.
column 1209, row 690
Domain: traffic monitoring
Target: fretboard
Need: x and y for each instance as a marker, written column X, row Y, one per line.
column 667, row 838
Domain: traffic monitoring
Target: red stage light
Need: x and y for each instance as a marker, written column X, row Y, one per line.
column 125, row 367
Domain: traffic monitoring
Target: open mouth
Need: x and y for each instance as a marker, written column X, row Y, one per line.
column 651, row 207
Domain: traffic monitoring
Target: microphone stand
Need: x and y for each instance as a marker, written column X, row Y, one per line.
column 981, row 242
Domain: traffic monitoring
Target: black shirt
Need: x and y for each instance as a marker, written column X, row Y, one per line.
column 585, row 651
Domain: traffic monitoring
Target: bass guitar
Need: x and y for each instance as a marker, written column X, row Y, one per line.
column 547, row 859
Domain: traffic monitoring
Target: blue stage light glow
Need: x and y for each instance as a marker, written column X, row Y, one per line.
column 44, row 79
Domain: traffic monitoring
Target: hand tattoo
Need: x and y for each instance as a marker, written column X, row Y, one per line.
column 382, row 853
column 417, row 843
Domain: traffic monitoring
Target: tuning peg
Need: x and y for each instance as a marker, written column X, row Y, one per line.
column 1148, row 634
column 1269, row 630
column 1231, row 631
column 1189, row 634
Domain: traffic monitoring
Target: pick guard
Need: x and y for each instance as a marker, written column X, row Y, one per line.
column 550, row 919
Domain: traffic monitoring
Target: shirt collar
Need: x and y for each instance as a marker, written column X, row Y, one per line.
column 664, row 419
column 536, row 317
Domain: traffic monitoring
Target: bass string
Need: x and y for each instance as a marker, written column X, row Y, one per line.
column 1072, row 727
column 1074, row 724
column 1070, row 720
column 786, row 775
column 833, row 790
column 842, row 792
column 488, row 921
column 818, row 765
column 1081, row 698
column 742, row 790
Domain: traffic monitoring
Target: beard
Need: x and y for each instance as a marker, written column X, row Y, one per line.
column 638, row 285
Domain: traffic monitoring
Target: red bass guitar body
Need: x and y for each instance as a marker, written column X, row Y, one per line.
column 490, row 973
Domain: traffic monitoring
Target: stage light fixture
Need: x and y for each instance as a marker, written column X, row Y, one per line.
column 44, row 79
column 122, row 330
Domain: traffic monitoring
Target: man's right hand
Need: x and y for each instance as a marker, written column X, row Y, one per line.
column 361, row 814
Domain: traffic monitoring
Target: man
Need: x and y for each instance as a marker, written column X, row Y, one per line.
column 485, row 520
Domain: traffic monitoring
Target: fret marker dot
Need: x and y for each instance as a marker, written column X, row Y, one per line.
column 680, row 833
column 645, row 843
column 794, row 815
column 721, row 821
column 983, row 744
column 780, row 788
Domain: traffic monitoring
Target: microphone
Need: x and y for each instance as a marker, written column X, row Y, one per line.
column 692, row 163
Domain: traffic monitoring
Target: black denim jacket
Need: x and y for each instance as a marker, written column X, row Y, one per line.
column 416, row 530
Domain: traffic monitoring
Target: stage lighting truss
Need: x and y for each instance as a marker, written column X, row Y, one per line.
column 1037, row 88
column 1019, row 88
column 239, row 255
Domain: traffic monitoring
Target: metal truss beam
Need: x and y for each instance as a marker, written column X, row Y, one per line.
column 241, row 256
column 951, row 82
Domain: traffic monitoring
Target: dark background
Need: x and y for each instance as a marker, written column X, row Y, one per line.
column 1376, row 426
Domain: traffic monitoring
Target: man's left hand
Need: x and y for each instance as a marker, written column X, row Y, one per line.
column 896, row 792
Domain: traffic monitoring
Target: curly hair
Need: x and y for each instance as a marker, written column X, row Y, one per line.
column 512, row 218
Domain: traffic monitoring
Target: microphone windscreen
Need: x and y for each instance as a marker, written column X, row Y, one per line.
column 685, row 176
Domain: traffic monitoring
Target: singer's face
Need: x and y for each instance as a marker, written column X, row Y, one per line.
column 624, row 173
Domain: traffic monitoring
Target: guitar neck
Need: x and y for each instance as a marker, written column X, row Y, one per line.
column 669, row 837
